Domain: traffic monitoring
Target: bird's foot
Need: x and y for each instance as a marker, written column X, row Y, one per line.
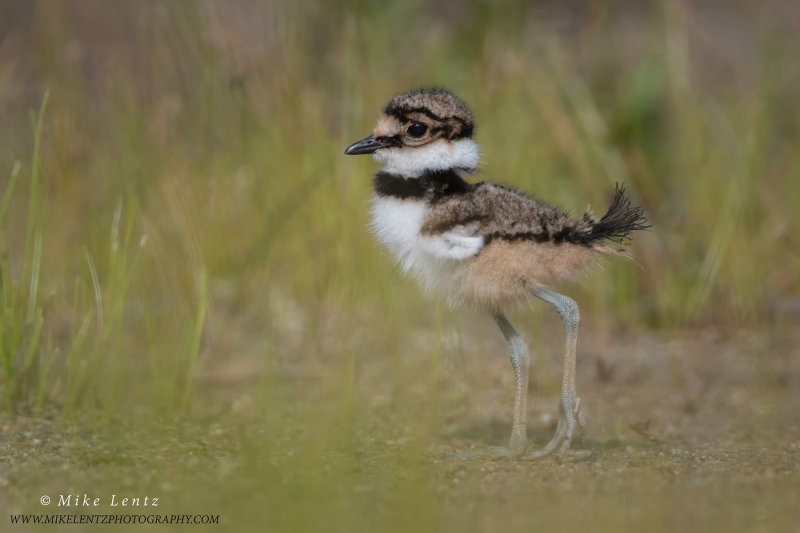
column 516, row 447
column 519, row 440
column 570, row 418
column 490, row 453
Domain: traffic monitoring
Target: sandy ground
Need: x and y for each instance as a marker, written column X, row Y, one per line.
column 694, row 432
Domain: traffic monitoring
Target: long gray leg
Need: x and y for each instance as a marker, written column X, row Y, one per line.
column 570, row 403
column 520, row 360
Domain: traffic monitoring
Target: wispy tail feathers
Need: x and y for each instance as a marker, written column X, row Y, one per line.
column 620, row 220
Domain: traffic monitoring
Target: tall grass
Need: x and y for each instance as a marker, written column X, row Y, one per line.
column 21, row 315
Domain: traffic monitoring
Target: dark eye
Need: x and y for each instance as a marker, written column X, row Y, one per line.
column 417, row 130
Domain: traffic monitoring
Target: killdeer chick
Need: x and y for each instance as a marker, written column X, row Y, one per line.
column 482, row 245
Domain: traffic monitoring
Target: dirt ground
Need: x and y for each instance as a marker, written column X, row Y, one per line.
column 698, row 432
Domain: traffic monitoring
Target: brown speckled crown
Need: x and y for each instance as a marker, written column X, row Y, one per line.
column 440, row 105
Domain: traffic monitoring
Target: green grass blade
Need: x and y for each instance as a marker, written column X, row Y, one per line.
column 9, row 193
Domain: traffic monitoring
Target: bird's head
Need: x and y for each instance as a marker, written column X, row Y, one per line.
column 422, row 130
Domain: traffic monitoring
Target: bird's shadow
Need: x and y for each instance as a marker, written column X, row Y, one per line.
column 495, row 433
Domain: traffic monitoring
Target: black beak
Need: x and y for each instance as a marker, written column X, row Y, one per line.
column 364, row 146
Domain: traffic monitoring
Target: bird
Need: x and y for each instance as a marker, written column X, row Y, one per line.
column 482, row 245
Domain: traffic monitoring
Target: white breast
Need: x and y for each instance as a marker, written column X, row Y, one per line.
column 435, row 260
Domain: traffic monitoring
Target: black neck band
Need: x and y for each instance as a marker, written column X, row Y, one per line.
column 430, row 186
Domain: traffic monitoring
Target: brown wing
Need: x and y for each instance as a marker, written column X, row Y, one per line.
column 495, row 211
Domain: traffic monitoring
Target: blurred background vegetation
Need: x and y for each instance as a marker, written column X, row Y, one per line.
column 188, row 192
column 178, row 219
